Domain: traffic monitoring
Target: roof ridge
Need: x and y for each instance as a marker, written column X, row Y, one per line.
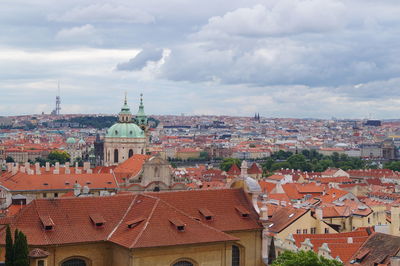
column 123, row 217
column 147, row 223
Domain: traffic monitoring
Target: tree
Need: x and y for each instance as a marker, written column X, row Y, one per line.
column 279, row 165
column 59, row 156
column 20, row 249
column 266, row 166
column 10, row 159
column 204, row 155
column 228, row 162
column 9, row 258
column 79, row 161
column 303, row 258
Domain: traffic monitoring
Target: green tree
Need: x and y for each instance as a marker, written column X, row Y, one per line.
column 9, row 258
column 266, row 166
column 41, row 161
column 228, row 162
column 304, row 258
column 79, row 161
column 395, row 166
column 279, row 165
column 204, row 155
column 20, row 249
column 10, row 159
column 59, row 156
column 298, row 161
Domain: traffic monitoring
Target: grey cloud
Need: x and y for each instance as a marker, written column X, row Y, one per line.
column 147, row 54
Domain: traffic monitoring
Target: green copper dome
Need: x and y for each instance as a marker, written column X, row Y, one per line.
column 125, row 130
column 71, row 141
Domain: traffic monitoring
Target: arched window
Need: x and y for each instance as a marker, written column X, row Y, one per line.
column 130, row 153
column 116, row 156
column 235, row 255
column 74, row 262
column 183, row 263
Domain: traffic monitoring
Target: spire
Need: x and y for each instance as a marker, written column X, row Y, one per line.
column 126, row 96
column 141, row 117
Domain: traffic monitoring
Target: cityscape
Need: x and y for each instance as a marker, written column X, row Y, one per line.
column 246, row 133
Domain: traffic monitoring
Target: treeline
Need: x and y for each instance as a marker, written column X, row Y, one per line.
column 98, row 122
column 307, row 160
column 311, row 160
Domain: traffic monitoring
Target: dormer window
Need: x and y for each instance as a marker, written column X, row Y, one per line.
column 179, row 225
column 47, row 222
column 97, row 219
column 206, row 214
column 116, row 132
column 130, row 132
column 244, row 213
column 135, row 222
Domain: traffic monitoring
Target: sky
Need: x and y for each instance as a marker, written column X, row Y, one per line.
column 279, row 58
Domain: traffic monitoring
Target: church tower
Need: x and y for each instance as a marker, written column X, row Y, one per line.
column 141, row 118
column 125, row 138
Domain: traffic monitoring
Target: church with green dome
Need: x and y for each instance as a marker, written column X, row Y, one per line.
column 126, row 137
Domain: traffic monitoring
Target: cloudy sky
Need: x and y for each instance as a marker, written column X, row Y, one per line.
column 281, row 58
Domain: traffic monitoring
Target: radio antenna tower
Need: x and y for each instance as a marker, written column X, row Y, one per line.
column 57, row 110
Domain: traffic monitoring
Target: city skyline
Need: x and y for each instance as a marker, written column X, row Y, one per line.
column 297, row 59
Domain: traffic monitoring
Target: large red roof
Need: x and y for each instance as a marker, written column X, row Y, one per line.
column 136, row 221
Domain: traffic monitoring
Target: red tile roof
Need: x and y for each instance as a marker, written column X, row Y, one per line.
column 73, row 218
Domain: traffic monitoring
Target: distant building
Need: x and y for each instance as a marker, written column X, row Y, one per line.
column 374, row 123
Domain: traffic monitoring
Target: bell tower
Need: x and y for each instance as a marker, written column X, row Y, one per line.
column 125, row 116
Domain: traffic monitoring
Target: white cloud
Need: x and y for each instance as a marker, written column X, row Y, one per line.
column 106, row 12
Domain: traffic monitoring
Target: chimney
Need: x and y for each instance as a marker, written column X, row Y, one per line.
column 22, row 169
column 395, row 261
column 86, row 166
column 47, row 166
column 243, row 169
column 37, row 168
column 56, row 168
column 67, row 170
column 30, row 171
column 349, row 240
column 319, row 213
column 27, row 165
column 264, row 208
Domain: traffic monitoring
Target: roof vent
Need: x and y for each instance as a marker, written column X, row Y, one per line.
column 135, row 222
column 47, row 222
column 45, row 184
column 97, row 219
column 109, row 182
column 66, row 183
column 291, row 215
column 242, row 211
column 180, row 226
column 206, row 213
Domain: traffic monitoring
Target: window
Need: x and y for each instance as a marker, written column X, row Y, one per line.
column 304, row 231
column 116, row 156
column 74, row 262
column 298, row 231
column 369, row 220
column 235, row 256
column 313, row 230
column 44, row 195
column 130, row 153
column 183, row 263
column 326, row 230
column 40, row 263
column 56, row 195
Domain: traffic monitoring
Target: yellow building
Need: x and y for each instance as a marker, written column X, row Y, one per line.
column 205, row 227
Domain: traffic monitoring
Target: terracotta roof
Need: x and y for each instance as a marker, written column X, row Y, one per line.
column 254, row 169
column 284, row 217
column 25, row 182
column 92, row 219
column 337, row 243
column 234, row 170
column 377, row 249
column 132, row 166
